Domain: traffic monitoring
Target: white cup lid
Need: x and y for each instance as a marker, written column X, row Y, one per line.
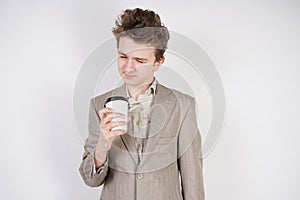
column 114, row 98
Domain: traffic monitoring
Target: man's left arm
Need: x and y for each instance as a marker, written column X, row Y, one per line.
column 190, row 161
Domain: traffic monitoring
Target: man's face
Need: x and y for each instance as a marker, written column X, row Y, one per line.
column 136, row 62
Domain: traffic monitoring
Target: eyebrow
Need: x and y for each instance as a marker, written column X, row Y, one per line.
column 138, row 58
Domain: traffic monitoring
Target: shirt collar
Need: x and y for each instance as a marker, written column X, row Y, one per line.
column 149, row 91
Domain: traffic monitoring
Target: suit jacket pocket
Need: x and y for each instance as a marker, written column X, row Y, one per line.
column 167, row 140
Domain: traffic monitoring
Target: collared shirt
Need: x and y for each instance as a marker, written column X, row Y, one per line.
column 139, row 113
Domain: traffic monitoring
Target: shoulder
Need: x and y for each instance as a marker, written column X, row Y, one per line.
column 181, row 97
column 182, row 102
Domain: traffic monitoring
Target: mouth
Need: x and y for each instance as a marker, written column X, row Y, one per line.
column 129, row 76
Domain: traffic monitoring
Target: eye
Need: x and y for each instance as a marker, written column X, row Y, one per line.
column 140, row 61
column 122, row 56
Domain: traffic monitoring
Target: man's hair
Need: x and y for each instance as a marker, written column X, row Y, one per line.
column 142, row 26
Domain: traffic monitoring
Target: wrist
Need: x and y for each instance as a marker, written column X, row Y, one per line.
column 98, row 163
column 103, row 145
column 100, row 157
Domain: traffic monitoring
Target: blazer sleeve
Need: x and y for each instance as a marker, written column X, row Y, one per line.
column 190, row 161
column 86, row 169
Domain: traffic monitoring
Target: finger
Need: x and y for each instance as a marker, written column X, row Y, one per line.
column 106, row 128
column 128, row 118
column 115, row 133
column 118, row 132
column 104, row 111
column 112, row 115
column 117, row 123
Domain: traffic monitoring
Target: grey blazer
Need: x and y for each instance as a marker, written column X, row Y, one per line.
column 171, row 166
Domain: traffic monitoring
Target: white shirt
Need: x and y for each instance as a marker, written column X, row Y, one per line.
column 139, row 113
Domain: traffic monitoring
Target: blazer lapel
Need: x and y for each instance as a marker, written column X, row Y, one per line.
column 129, row 143
column 162, row 107
column 127, row 139
column 161, row 110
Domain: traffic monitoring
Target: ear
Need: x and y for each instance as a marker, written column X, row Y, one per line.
column 158, row 63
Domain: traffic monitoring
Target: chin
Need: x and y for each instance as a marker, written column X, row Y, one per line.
column 129, row 81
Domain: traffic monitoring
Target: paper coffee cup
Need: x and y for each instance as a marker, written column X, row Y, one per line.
column 120, row 105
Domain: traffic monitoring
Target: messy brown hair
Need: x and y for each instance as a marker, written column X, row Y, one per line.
column 142, row 26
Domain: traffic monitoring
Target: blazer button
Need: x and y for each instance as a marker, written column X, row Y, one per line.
column 140, row 176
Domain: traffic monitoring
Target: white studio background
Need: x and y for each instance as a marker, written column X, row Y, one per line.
column 255, row 46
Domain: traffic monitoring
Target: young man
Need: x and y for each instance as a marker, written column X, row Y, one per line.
column 159, row 156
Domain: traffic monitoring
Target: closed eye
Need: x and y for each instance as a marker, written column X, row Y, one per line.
column 140, row 61
column 122, row 56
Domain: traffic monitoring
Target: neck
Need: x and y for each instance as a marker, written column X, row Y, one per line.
column 135, row 92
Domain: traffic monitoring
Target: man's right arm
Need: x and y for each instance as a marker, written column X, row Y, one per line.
column 93, row 173
column 94, row 167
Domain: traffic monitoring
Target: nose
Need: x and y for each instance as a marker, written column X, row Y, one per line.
column 129, row 66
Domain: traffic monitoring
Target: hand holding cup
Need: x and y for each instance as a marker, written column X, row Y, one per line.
column 113, row 122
